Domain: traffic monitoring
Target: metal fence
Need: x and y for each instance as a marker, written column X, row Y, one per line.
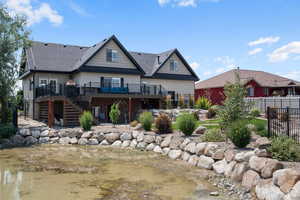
column 284, row 122
column 262, row 103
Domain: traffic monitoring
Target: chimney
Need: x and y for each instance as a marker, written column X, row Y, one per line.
column 158, row 59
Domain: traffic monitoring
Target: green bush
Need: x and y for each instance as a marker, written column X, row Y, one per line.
column 203, row 103
column 213, row 135
column 86, row 120
column 7, row 130
column 260, row 126
column 163, row 124
column 239, row 133
column 186, row 123
column 114, row 113
column 212, row 112
column 254, row 113
column 285, row 149
column 146, row 120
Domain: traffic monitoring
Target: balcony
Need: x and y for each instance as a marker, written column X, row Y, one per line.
column 95, row 88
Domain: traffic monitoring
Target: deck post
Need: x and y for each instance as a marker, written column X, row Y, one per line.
column 130, row 109
column 50, row 114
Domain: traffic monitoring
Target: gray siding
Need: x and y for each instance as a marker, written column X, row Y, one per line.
column 181, row 67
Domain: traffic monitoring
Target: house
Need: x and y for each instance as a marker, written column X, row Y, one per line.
column 61, row 81
column 258, row 84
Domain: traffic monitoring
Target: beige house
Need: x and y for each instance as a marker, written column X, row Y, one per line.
column 60, row 81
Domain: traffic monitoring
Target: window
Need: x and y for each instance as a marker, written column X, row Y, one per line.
column 111, row 82
column 173, row 66
column 53, row 85
column 266, row 91
column 112, row 55
column 291, row 91
column 250, row 92
column 43, row 82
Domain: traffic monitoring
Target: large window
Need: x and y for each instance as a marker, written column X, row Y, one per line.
column 112, row 55
column 109, row 82
column 43, row 82
column 250, row 92
column 173, row 66
column 266, row 91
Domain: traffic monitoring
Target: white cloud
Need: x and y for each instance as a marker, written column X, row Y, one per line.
column 255, row 51
column 185, row 3
column 284, row 52
column 294, row 75
column 34, row 14
column 224, row 69
column 78, row 9
column 194, row 65
column 264, row 40
column 225, row 60
column 207, row 73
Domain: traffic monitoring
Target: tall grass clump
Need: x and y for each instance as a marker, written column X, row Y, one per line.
column 146, row 119
column 86, row 120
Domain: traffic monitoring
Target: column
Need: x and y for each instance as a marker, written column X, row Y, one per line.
column 50, row 114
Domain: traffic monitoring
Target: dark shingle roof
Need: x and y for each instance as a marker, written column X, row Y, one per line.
column 264, row 79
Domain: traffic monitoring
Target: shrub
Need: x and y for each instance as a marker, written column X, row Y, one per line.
column 7, row 130
column 213, row 135
column 114, row 113
column 86, row 120
column 260, row 126
column 196, row 115
column 285, row 149
column 239, row 133
column 212, row 112
column 163, row 124
column 186, row 123
column 146, row 120
column 254, row 113
column 203, row 103
column 134, row 123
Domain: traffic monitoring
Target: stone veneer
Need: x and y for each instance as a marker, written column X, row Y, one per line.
column 264, row 176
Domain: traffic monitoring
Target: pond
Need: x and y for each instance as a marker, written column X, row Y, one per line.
column 96, row 173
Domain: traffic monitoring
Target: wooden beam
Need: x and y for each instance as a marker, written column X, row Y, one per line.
column 50, row 114
column 130, row 109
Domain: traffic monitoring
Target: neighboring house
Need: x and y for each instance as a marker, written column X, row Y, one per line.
column 60, row 81
column 258, row 84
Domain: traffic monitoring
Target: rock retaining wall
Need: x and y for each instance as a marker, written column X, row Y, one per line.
column 264, row 176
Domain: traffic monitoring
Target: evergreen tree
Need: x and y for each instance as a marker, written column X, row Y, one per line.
column 114, row 113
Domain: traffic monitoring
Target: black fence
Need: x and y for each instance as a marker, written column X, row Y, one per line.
column 284, row 122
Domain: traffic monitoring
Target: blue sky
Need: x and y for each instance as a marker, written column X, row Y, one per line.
column 213, row 35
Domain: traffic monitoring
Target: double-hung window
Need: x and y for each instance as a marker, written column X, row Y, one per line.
column 109, row 82
column 43, row 82
column 112, row 55
column 173, row 66
column 250, row 92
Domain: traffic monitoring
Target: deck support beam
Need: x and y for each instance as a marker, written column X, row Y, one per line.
column 130, row 109
column 50, row 114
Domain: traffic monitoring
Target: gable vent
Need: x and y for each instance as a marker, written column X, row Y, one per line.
column 46, row 44
column 65, row 46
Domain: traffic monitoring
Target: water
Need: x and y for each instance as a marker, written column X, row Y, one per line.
column 92, row 173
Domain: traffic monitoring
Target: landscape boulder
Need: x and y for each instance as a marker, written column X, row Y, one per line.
column 285, row 179
column 200, row 130
column 295, row 193
column 250, row 179
column 205, row 162
column 220, row 166
column 112, row 137
column 174, row 154
column 266, row 190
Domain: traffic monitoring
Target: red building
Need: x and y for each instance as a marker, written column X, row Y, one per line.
column 258, row 84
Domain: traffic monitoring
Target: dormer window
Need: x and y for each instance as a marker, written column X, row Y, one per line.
column 112, row 55
column 173, row 66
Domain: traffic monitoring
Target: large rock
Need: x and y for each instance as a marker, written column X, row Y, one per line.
column 150, row 147
column 36, row 133
column 117, row 143
column 220, row 166
column 112, row 137
column 93, row 141
column 44, row 140
column 74, row 140
column 244, row 156
column 285, row 179
column 126, row 136
column 185, row 156
column 200, row 130
column 218, row 154
column 18, row 140
column 205, row 162
column 157, row 149
column 210, row 149
column 30, row 140
column 200, row 148
column 257, row 163
column 271, row 166
column 135, row 134
column 191, row 148
column 141, row 145
column 103, row 143
column 250, row 179
column 82, row 141
column 229, row 155
column 54, row 140
column 174, row 154
column 149, row 139
column 64, row 140
column 100, row 136
column 238, row 171
column 262, row 153
column 166, row 150
column 133, row 143
column 87, row 134
column 229, row 168
column 24, row 132
column 126, row 143
column 262, row 143
column 266, row 190
column 166, row 142
column 185, row 142
column 176, row 142
column 193, row 160
column 140, row 137
column 295, row 193
column 45, row 133
column 158, row 140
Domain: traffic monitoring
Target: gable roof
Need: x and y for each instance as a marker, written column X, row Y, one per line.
column 264, row 79
column 52, row 57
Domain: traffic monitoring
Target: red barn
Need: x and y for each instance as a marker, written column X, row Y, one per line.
column 258, row 84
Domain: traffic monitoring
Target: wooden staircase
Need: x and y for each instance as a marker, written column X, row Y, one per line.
column 72, row 113
column 43, row 112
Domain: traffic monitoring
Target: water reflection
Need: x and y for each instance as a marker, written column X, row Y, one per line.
column 10, row 184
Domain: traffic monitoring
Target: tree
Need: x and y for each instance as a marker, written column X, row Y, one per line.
column 234, row 107
column 114, row 113
column 20, row 100
column 13, row 38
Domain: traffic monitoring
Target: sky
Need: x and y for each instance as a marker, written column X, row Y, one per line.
column 213, row 35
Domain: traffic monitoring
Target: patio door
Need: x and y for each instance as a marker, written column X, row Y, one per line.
column 53, row 86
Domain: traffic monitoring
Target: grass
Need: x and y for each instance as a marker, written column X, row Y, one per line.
column 261, row 126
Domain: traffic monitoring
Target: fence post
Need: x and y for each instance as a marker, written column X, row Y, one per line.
column 269, row 121
column 288, row 120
